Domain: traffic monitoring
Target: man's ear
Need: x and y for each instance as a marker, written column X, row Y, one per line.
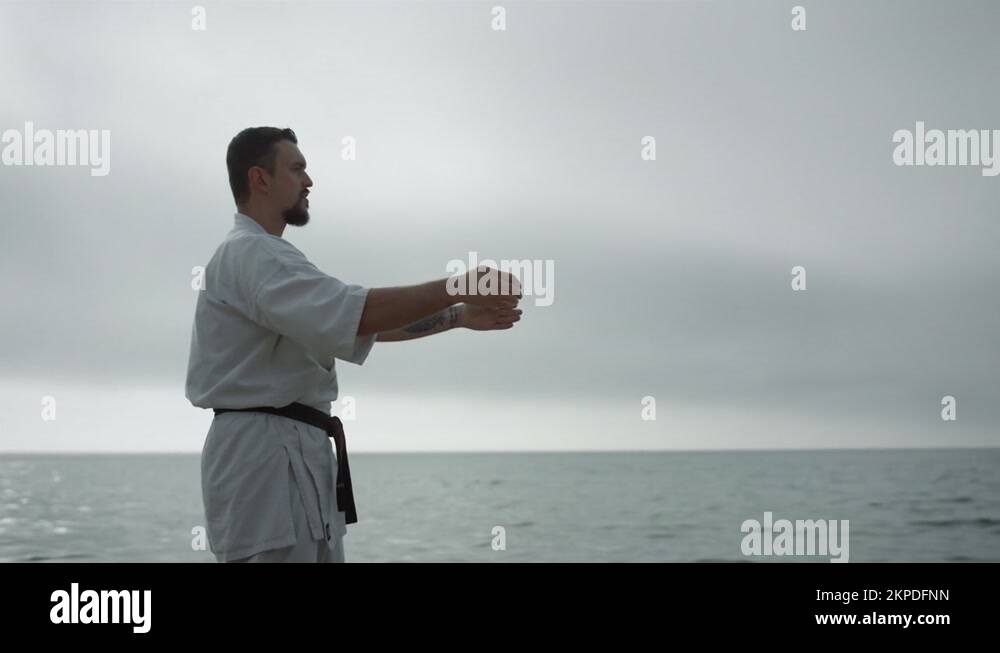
column 259, row 179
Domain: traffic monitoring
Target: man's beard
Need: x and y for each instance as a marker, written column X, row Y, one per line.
column 297, row 216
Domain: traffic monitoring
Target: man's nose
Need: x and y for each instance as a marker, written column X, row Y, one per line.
column 309, row 181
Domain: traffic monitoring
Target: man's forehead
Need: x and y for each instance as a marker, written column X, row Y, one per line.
column 289, row 152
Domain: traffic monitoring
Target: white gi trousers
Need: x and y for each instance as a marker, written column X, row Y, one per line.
column 268, row 487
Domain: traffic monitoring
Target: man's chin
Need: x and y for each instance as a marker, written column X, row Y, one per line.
column 296, row 217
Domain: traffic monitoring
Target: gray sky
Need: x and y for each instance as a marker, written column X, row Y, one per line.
column 672, row 277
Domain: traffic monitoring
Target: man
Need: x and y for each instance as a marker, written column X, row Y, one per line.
column 267, row 329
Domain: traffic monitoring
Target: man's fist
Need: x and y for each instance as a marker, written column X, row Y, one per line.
column 481, row 318
column 486, row 287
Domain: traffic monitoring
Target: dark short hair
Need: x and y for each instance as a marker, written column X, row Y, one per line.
column 254, row 146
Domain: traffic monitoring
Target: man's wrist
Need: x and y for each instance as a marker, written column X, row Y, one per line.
column 452, row 285
column 456, row 316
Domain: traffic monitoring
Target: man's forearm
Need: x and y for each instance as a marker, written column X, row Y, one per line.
column 387, row 309
column 439, row 322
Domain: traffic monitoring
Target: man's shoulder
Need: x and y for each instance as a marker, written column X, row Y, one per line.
column 254, row 260
column 262, row 249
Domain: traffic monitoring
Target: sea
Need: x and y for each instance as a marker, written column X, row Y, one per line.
column 930, row 505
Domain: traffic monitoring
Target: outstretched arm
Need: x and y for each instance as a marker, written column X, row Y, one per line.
column 388, row 309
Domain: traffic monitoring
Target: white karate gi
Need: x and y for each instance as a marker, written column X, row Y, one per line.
column 267, row 328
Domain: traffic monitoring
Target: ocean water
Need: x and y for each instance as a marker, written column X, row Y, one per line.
column 902, row 505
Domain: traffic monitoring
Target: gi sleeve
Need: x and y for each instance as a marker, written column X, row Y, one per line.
column 318, row 311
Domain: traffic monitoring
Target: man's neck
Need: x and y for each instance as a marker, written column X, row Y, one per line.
column 272, row 223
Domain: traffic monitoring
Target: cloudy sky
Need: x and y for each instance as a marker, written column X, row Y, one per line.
column 672, row 277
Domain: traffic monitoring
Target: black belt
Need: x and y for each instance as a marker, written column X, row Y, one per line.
column 334, row 429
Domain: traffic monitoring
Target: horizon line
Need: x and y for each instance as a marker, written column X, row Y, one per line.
column 528, row 451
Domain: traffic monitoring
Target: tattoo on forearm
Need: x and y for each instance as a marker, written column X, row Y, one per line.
column 441, row 321
column 427, row 324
